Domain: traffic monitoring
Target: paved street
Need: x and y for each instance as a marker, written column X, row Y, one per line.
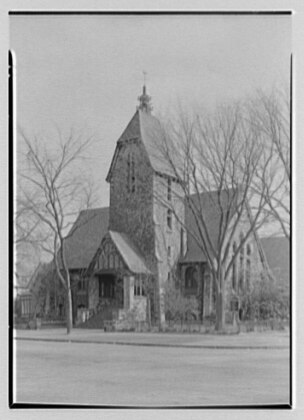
column 106, row 374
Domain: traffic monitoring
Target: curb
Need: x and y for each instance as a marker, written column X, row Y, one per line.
column 118, row 343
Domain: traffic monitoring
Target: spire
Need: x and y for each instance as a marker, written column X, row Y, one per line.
column 144, row 99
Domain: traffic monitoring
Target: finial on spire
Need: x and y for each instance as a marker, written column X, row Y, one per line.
column 144, row 99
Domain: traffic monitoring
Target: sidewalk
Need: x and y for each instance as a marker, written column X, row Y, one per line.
column 252, row 340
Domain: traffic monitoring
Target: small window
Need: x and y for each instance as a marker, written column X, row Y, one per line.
column 169, row 218
column 169, row 251
column 139, row 289
column 169, row 192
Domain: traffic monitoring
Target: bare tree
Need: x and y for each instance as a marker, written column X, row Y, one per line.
column 269, row 114
column 220, row 155
column 54, row 189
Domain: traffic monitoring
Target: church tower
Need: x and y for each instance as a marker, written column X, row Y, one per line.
column 143, row 195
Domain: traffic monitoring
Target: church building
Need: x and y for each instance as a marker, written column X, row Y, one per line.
column 120, row 255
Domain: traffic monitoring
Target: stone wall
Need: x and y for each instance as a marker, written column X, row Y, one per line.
column 132, row 212
column 140, row 308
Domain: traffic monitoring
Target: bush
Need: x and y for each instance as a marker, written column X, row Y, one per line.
column 264, row 302
column 178, row 306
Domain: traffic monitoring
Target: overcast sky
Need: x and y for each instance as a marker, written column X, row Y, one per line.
column 86, row 71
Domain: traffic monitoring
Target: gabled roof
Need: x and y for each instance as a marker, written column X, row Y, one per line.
column 277, row 254
column 129, row 252
column 145, row 128
column 41, row 272
column 212, row 210
column 85, row 237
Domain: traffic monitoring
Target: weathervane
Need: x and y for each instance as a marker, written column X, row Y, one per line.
column 145, row 75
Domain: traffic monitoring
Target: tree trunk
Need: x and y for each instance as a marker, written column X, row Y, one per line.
column 69, row 313
column 47, row 301
column 220, row 311
column 149, row 311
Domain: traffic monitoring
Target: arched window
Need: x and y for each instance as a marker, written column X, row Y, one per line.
column 191, row 278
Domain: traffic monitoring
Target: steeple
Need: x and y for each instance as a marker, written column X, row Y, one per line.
column 144, row 99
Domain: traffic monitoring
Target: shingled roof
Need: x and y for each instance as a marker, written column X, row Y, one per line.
column 145, row 128
column 209, row 201
column 85, row 237
column 278, row 257
column 129, row 252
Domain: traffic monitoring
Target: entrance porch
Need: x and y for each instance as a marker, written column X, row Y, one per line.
column 117, row 288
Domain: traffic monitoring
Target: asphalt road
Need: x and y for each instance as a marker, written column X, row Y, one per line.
column 90, row 373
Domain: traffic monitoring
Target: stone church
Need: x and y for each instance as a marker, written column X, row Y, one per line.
column 120, row 254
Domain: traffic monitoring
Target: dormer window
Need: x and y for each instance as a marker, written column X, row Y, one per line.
column 131, row 173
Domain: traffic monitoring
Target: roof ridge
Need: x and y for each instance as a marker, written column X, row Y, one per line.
column 94, row 209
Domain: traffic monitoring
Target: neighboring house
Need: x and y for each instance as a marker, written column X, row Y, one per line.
column 277, row 252
column 25, row 300
column 114, row 253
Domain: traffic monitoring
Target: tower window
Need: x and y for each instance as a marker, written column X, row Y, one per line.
column 169, row 218
column 131, row 173
column 169, row 189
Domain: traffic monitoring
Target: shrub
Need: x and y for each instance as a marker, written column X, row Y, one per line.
column 179, row 307
column 265, row 301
